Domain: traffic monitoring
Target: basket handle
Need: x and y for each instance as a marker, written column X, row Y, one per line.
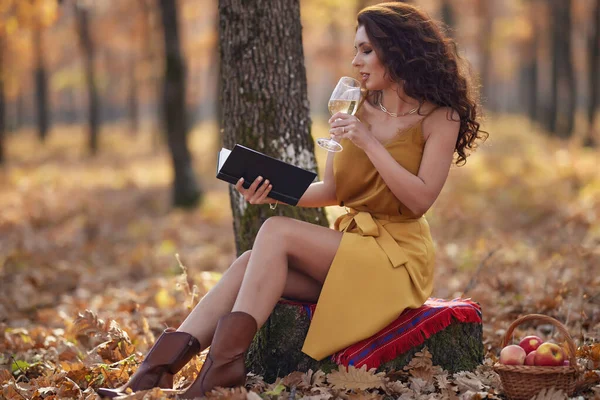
column 561, row 328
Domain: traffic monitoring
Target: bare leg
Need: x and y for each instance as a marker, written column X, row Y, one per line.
column 280, row 244
column 202, row 321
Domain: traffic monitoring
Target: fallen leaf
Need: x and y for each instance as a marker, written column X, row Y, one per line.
column 468, row 381
column 550, row 394
column 356, row 379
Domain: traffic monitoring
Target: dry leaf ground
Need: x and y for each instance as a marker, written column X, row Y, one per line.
column 517, row 229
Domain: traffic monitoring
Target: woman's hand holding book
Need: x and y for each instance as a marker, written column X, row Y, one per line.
column 258, row 191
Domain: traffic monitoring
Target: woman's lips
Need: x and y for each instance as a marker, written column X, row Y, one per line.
column 364, row 76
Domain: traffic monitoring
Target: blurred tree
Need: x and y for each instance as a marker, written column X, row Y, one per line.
column 528, row 56
column 485, row 50
column 448, row 16
column 150, row 28
column 41, row 83
column 594, row 75
column 264, row 97
column 2, row 103
column 186, row 190
column 133, row 100
column 34, row 16
column 86, row 45
column 563, row 86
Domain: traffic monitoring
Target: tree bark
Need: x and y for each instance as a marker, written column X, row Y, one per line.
column 20, row 110
column 41, row 84
column 186, row 191
column 485, row 50
column 448, row 16
column 264, row 97
column 563, row 90
column 87, row 48
column 594, row 76
column 533, row 68
column 569, row 84
column 2, row 105
column 133, row 97
column 276, row 348
column 150, row 29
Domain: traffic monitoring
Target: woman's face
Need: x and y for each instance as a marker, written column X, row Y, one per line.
column 372, row 72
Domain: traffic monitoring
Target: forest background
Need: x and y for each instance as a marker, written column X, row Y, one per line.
column 86, row 201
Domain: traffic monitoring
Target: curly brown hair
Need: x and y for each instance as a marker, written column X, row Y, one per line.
column 414, row 49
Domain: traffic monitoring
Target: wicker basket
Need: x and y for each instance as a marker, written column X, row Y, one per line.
column 522, row 382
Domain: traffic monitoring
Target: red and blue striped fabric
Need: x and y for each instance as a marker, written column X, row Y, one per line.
column 411, row 329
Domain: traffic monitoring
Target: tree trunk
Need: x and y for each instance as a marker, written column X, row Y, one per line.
column 448, row 16
column 2, row 105
column 569, row 85
column 20, row 110
column 133, row 97
column 87, row 48
column 555, row 70
column 276, row 348
column 150, row 28
column 485, row 49
column 532, row 85
column 562, row 77
column 41, row 84
column 264, row 97
column 594, row 76
column 72, row 108
column 186, row 191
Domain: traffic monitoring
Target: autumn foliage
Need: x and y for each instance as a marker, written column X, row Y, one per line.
column 90, row 277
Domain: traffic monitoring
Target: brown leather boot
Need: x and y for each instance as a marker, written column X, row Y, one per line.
column 224, row 365
column 167, row 356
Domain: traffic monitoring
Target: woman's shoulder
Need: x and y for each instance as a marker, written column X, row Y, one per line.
column 441, row 119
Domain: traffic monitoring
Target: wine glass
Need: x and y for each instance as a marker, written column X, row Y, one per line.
column 344, row 98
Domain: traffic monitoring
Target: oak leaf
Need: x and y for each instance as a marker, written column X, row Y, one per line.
column 550, row 394
column 312, row 379
column 419, row 385
column 421, row 365
column 468, row 381
column 293, row 379
column 5, row 376
column 397, row 387
column 356, row 379
column 362, row 395
column 255, row 382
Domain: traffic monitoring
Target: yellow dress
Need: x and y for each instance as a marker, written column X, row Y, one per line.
column 385, row 260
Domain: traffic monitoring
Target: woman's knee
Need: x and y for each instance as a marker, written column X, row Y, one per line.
column 241, row 262
column 274, row 227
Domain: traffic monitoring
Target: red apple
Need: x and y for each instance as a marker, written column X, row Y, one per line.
column 529, row 360
column 530, row 343
column 549, row 354
column 512, row 355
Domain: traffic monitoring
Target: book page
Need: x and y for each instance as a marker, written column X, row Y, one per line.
column 223, row 154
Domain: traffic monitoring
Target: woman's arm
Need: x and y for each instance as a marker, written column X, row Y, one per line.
column 318, row 194
column 321, row 194
column 418, row 192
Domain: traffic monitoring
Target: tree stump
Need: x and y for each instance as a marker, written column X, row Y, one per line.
column 276, row 348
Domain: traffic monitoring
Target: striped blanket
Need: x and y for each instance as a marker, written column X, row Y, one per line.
column 411, row 329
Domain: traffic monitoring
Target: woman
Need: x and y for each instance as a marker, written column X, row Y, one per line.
column 418, row 111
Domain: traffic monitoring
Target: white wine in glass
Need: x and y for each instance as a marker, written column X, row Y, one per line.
column 344, row 98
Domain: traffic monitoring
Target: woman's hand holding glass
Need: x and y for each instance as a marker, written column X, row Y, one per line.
column 257, row 193
column 346, row 126
column 344, row 98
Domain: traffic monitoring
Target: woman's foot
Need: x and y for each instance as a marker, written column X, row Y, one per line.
column 167, row 356
column 224, row 365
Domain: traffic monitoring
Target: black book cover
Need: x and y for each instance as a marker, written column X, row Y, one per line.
column 289, row 181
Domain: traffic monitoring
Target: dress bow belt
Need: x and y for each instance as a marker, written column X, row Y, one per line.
column 369, row 226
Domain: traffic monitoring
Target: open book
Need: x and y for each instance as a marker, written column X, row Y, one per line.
column 289, row 181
